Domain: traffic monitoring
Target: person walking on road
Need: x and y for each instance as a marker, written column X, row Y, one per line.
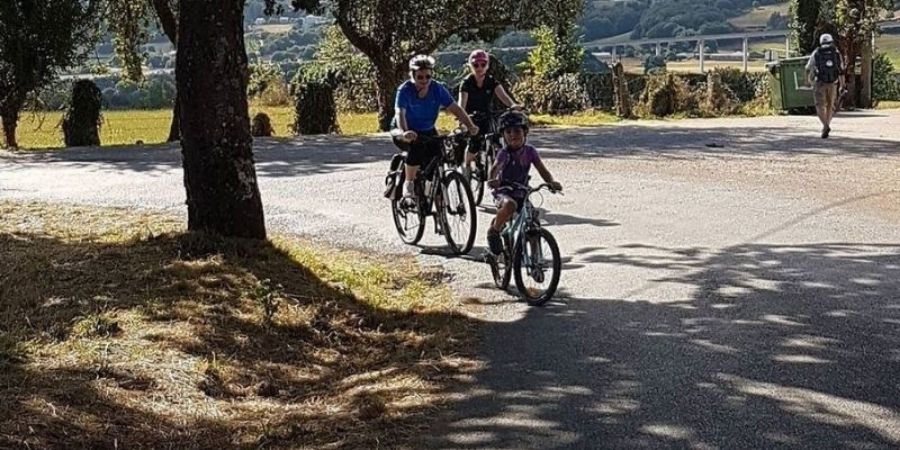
column 825, row 68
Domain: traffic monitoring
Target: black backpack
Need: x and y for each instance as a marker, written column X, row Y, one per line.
column 828, row 64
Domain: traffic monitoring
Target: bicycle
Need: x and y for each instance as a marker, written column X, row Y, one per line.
column 440, row 192
column 488, row 154
column 524, row 241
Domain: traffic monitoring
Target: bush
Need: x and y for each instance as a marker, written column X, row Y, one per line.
column 350, row 73
column 654, row 64
column 598, row 89
column 660, row 98
column 81, row 122
column 267, row 86
column 719, row 100
column 316, row 112
column 886, row 85
column 743, row 85
column 562, row 95
column 261, row 126
column 664, row 95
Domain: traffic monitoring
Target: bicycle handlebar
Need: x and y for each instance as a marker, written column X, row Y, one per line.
column 530, row 189
column 423, row 138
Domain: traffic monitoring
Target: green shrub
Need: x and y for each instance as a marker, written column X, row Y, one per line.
column 887, row 84
column 316, row 112
column 261, row 126
column 81, row 122
column 562, row 95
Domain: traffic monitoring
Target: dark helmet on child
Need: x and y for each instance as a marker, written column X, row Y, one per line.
column 512, row 119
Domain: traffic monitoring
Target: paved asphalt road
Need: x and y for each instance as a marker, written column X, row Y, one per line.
column 730, row 283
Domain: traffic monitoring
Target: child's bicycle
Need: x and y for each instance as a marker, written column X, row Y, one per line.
column 440, row 192
column 530, row 251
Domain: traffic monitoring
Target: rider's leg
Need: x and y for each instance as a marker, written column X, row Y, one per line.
column 411, row 173
column 506, row 207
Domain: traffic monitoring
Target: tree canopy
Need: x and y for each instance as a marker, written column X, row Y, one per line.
column 38, row 39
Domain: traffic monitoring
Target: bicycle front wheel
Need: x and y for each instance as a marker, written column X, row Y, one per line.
column 537, row 266
column 457, row 211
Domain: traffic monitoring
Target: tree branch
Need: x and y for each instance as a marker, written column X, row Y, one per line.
column 166, row 19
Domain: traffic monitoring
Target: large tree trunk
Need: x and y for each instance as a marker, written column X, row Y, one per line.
column 865, row 77
column 175, row 127
column 10, row 122
column 211, row 70
column 170, row 27
column 850, row 50
column 10, row 118
column 388, row 77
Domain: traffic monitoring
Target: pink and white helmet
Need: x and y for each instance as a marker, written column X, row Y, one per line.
column 479, row 56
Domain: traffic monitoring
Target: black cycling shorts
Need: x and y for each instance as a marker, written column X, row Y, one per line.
column 420, row 153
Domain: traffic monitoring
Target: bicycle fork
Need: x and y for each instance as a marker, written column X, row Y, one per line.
column 533, row 258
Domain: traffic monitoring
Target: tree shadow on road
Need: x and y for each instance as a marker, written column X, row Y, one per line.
column 778, row 346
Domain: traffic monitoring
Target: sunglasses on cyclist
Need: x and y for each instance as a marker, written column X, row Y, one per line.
column 479, row 65
column 423, row 77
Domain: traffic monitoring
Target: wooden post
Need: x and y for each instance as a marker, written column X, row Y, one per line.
column 658, row 49
column 702, row 55
column 787, row 46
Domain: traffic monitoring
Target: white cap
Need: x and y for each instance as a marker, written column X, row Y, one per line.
column 826, row 39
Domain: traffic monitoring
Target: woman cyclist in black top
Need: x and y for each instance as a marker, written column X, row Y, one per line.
column 475, row 95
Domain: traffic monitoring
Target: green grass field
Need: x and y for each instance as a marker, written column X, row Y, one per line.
column 759, row 16
column 890, row 44
column 41, row 130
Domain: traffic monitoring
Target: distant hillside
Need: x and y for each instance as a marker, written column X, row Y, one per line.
column 667, row 18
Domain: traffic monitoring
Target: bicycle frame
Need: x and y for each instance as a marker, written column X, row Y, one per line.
column 521, row 223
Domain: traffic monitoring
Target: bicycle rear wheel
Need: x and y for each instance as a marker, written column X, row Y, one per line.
column 457, row 211
column 409, row 222
column 478, row 179
column 501, row 267
column 537, row 266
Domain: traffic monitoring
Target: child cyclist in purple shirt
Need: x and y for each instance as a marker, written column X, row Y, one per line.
column 511, row 167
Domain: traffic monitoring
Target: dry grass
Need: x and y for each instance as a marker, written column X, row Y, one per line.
column 887, row 104
column 119, row 330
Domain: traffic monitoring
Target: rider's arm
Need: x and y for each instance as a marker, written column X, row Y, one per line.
column 503, row 96
column 811, row 68
column 463, row 117
column 401, row 119
column 546, row 175
column 463, row 99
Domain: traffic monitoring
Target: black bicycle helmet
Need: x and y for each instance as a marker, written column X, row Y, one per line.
column 421, row 62
column 513, row 119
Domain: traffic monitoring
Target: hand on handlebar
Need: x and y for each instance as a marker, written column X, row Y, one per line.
column 555, row 186
column 409, row 136
column 494, row 184
column 473, row 131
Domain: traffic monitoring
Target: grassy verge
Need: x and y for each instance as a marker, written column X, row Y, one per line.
column 121, row 330
column 582, row 119
column 888, row 105
column 41, row 130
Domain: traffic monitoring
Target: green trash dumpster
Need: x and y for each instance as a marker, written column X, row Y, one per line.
column 788, row 84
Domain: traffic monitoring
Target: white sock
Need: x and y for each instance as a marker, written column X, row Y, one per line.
column 409, row 188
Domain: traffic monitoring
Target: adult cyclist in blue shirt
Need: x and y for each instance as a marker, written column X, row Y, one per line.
column 418, row 103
